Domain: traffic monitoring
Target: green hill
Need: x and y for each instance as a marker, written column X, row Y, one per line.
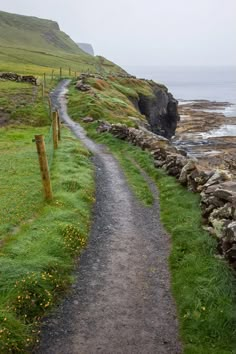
column 33, row 45
column 39, row 34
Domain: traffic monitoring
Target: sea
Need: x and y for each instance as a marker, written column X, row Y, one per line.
column 197, row 83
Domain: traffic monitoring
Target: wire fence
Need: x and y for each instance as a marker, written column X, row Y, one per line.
column 48, row 139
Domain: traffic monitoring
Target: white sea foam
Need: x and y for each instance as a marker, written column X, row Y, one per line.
column 224, row 130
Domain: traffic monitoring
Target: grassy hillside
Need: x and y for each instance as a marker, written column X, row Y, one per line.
column 33, row 45
column 39, row 34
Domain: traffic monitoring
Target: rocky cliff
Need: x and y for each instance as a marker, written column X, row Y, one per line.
column 87, row 48
column 160, row 109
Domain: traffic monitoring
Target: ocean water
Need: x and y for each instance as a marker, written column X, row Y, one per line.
column 193, row 83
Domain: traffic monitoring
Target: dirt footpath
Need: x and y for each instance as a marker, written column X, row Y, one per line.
column 121, row 302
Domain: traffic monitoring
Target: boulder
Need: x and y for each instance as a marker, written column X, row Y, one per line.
column 159, row 163
column 218, row 177
column 226, row 191
column 88, row 119
column 218, row 226
column 82, row 87
column 224, row 212
column 230, row 232
column 190, row 166
column 103, row 127
column 120, row 131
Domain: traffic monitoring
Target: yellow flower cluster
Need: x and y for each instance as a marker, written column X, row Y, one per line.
column 73, row 239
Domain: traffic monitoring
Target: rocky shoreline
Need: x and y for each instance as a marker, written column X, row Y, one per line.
column 199, row 130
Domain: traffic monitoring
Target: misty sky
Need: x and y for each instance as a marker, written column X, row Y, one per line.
column 145, row 32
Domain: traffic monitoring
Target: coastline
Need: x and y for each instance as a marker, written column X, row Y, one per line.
column 207, row 108
column 207, row 133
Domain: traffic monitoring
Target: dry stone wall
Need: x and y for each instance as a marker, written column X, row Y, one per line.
column 216, row 188
column 19, row 78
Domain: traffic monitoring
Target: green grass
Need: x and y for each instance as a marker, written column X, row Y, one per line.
column 22, row 103
column 20, row 184
column 36, row 33
column 36, row 263
column 109, row 103
column 202, row 284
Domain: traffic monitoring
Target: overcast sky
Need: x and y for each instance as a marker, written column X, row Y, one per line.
column 145, row 32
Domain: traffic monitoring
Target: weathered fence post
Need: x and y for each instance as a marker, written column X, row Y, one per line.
column 55, row 129
column 43, row 163
column 60, row 73
column 44, row 79
column 43, row 89
column 50, row 106
column 59, row 126
column 52, row 77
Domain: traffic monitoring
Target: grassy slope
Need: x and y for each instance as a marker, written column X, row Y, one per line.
column 20, row 183
column 203, row 285
column 39, row 34
column 32, row 45
column 110, row 99
column 22, row 103
column 36, row 263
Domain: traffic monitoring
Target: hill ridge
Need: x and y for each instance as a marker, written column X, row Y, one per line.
column 17, row 30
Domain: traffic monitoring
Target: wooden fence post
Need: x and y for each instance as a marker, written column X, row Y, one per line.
column 60, row 73
column 55, row 129
column 52, row 77
column 43, row 163
column 42, row 89
column 44, row 79
column 58, row 126
column 50, row 106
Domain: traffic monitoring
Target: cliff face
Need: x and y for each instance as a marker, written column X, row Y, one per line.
column 87, row 48
column 161, row 110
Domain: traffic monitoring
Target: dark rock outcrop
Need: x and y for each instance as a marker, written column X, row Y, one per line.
column 161, row 110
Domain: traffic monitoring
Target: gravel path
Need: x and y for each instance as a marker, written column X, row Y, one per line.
column 121, row 302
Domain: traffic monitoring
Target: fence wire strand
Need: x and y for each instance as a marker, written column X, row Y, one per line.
column 49, row 146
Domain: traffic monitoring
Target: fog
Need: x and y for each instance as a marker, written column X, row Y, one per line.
column 145, row 32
